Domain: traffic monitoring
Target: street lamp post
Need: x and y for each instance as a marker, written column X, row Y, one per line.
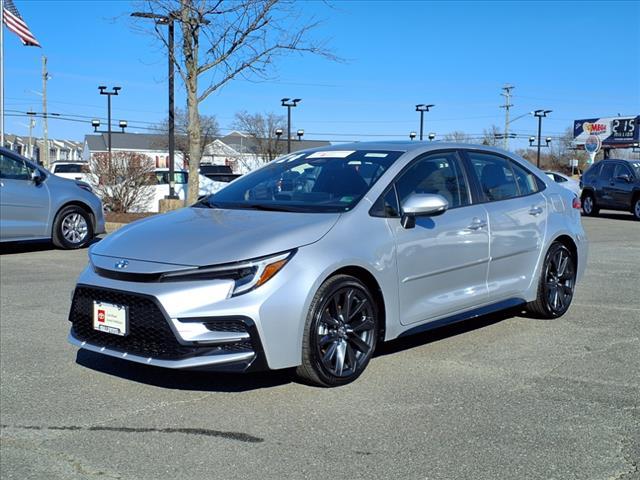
column 286, row 102
column 540, row 114
column 278, row 133
column 432, row 136
column 300, row 133
column 168, row 20
column 422, row 108
column 114, row 91
column 412, row 135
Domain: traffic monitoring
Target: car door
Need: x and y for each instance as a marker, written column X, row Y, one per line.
column 517, row 221
column 442, row 261
column 604, row 191
column 24, row 205
column 621, row 189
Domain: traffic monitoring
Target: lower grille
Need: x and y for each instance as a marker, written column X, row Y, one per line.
column 149, row 333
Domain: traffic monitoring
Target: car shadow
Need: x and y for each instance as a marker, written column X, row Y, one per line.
column 616, row 216
column 183, row 379
column 444, row 332
column 27, row 246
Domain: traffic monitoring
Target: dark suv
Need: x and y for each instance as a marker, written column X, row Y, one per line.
column 611, row 184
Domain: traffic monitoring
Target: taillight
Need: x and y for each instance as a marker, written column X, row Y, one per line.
column 576, row 203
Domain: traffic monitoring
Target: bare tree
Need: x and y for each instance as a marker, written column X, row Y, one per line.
column 492, row 136
column 222, row 40
column 262, row 128
column 458, row 136
column 124, row 184
column 209, row 130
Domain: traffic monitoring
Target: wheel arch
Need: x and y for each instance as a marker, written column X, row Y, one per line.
column 366, row 277
column 74, row 203
column 568, row 242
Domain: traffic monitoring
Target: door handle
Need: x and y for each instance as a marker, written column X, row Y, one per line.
column 477, row 224
column 535, row 211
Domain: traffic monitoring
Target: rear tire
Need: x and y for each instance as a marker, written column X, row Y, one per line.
column 340, row 333
column 72, row 228
column 636, row 207
column 556, row 284
column 589, row 207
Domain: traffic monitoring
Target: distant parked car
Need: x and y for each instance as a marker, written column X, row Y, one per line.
column 34, row 204
column 161, row 186
column 218, row 173
column 71, row 170
column 565, row 181
column 612, row 184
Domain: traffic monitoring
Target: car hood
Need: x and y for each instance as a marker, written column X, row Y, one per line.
column 203, row 236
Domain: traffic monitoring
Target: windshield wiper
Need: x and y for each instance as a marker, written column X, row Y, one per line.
column 204, row 203
column 269, row 208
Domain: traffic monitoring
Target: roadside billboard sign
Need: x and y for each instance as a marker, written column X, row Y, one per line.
column 612, row 131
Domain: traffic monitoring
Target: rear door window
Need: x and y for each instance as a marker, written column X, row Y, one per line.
column 497, row 180
column 525, row 180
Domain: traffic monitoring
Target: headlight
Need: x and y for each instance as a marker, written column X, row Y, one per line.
column 246, row 275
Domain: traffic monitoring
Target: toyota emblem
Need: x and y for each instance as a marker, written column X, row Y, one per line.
column 122, row 264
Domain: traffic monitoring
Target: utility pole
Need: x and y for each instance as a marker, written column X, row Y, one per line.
column 32, row 123
column 289, row 104
column 45, row 132
column 507, row 105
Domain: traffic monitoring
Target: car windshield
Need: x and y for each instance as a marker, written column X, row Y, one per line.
column 324, row 181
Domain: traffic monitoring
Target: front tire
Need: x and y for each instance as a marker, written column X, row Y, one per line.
column 72, row 228
column 589, row 207
column 341, row 332
column 556, row 284
column 636, row 208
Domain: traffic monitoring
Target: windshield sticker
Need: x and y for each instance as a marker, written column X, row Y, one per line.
column 289, row 158
column 332, row 154
column 376, row 155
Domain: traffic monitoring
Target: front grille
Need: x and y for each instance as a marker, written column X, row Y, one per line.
column 149, row 333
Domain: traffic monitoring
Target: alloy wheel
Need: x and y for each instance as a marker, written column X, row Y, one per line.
column 587, row 204
column 74, row 228
column 559, row 281
column 636, row 209
column 345, row 332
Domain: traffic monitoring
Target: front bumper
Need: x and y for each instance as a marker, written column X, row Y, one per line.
column 153, row 338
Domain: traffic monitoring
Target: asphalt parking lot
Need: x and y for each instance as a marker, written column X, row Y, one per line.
column 502, row 397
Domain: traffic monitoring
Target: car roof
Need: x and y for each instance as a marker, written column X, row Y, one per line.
column 407, row 146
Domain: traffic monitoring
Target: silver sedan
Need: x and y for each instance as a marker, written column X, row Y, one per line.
column 35, row 204
column 316, row 258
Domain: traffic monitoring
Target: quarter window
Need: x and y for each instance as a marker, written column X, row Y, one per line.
column 438, row 173
column 607, row 171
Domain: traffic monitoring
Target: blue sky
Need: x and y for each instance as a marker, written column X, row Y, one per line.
column 579, row 59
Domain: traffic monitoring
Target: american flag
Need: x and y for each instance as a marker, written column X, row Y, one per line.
column 14, row 22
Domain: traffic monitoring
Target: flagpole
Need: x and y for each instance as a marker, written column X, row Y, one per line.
column 1, row 73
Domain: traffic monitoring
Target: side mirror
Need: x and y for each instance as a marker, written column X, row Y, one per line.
column 625, row 178
column 422, row 205
column 36, row 176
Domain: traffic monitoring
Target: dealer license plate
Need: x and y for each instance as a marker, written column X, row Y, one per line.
column 110, row 318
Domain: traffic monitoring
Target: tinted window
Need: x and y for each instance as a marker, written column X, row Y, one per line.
column 70, row 168
column 622, row 169
column 438, row 173
column 525, row 180
column 496, row 178
column 607, row 171
column 591, row 174
column 323, row 181
column 13, row 169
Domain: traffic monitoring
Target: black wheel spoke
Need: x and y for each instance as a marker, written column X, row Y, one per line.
column 329, row 354
column 358, row 343
column 346, row 309
column 361, row 324
column 328, row 319
column 340, row 355
column 358, row 309
column 324, row 341
column 352, row 358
